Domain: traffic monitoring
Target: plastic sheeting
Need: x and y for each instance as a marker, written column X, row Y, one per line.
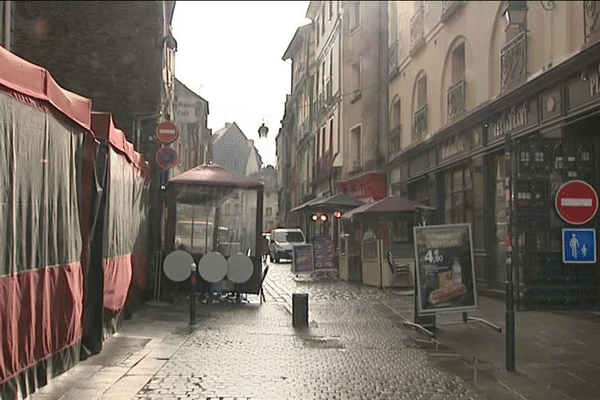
column 41, row 277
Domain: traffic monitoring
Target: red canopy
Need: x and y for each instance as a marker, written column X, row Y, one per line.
column 32, row 80
column 214, row 175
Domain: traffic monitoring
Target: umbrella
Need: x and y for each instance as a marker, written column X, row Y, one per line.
column 385, row 208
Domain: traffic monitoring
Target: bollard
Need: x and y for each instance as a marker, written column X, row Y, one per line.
column 300, row 309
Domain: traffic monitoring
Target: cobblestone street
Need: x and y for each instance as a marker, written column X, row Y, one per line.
column 355, row 347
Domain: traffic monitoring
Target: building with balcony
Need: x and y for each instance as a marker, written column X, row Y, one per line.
column 295, row 140
column 194, row 143
column 468, row 79
column 364, row 134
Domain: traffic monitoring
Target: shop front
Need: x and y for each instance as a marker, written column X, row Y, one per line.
column 552, row 124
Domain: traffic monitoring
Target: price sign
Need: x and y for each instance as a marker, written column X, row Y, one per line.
column 445, row 269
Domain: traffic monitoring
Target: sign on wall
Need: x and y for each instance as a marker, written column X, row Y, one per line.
column 445, row 269
column 579, row 246
column 303, row 259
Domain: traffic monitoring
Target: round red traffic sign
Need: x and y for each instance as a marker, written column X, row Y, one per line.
column 166, row 157
column 167, row 132
column 576, row 202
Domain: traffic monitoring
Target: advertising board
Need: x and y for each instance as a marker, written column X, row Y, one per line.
column 303, row 259
column 445, row 269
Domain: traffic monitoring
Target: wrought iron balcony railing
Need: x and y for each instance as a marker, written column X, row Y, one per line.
column 449, row 7
column 456, row 99
column 417, row 29
column 393, row 59
column 419, row 124
column 513, row 62
column 591, row 10
column 394, row 140
column 324, row 163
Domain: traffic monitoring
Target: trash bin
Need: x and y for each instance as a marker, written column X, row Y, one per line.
column 300, row 309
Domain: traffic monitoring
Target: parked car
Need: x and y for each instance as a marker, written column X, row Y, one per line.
column 282, row 241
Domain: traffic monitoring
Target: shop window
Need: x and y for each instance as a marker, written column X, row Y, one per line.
column 355, row 16
column 458, row 196
column 355, row 134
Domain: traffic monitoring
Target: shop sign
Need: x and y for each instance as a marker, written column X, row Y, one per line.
column 323, row 254
column 518, row 116
column 370, row 187
column 445, row 269
column 303, row 259
column 584, row 88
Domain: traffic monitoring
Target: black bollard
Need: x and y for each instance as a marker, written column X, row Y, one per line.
column 300, row 309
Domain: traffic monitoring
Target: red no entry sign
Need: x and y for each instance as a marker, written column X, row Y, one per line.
column 167, row 132
column 166, row 157
column 576, row 202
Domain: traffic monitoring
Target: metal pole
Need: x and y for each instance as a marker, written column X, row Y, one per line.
column 193, row 280
column 510, row 307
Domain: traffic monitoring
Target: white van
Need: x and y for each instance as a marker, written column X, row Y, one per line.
column 282, row 242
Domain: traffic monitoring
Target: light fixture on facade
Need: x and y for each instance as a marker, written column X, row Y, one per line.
column 515, row 13
column 337, row 214
column 315, row 217
column 262, row 131
column 323, row 217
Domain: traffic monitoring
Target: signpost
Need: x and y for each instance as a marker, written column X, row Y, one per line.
column 167, row 132
column 579, row 246
column 445, row 269
column 303, row 258
column 166, row 157
column 576, row 202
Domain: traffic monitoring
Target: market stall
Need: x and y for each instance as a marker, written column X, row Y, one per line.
column 375, row 230
column 216, row 215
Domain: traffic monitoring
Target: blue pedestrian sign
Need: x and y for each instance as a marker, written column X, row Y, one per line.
column 579, row 246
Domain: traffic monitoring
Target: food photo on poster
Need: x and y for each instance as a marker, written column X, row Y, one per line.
column 445, row 273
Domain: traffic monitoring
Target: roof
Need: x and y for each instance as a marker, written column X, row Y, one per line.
column 337, row 202
column 385, row 208
column 296, row 41
column 212, row 175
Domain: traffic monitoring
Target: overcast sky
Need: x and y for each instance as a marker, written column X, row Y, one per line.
column 230, row 53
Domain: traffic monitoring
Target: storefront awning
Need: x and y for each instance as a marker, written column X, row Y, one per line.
column 385, row 208
column 337, row 202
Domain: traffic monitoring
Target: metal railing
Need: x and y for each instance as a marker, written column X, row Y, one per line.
column 419, row 124
column 456, row 98
column 393, row 59
column 513, row 62
column 591, row 11
column 394, row 140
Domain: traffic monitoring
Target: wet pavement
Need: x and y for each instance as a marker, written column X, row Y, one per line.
column 356, row 346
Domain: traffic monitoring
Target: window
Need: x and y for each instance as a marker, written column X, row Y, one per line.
column 356, row 79
column 422, row 92
column 331, row 134
column 393, row 38
column 396, row 114
column 268, row 211
column 355, row 134
column 355, row 16
column 458, row 63
column 317, row 32
column 323, row 19
column 323, row 134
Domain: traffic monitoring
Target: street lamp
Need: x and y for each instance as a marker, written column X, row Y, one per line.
column 515, row 13
column 262, row 131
